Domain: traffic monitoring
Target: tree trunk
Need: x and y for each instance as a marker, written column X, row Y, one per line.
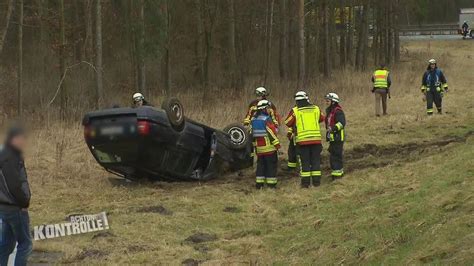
column 62, row 61
column 167, row 65
column 350, row 34
column 98, row 53
column 132, row 44
column 301, row 55
column 3, row 32
column 88, row 42
column 20, row 59
column 236, row 79
column 326, row 48
column 284, row 58
column 141, row 50
column 363, row 36
column 268, row 42
column 397, row 31
column 342, row 38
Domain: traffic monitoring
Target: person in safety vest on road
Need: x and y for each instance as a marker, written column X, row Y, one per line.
column 381, row 88
column 335, row 124
column 261, row 94
column 433, row 86
column 266, row 145
column 306, row 117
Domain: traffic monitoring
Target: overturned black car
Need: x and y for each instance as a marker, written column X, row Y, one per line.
column 162, row 144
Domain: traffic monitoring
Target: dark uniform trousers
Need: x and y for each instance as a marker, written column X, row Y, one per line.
column 310, row 157
column 433, row 96
column 292, row 155
column 267, row 170
column 335, row 158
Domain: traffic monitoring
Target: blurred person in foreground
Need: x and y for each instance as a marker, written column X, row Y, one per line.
column 14, row 199
column 381, row 88
column 433, row 86
column 139, row 100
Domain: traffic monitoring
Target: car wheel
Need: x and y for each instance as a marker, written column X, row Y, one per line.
column 472, row 34
column 175, row 112
column 238, row 134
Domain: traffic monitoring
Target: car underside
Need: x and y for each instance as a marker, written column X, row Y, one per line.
column 161, row 144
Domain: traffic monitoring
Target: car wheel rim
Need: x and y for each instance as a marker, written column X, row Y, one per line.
column 177, row 111
column 237, row 135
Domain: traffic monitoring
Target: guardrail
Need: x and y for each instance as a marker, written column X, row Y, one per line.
column 429, row 29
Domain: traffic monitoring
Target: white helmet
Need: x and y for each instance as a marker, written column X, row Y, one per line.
column 263, row 104
column 432, row 61
column 261, row 91
column 301, row 95
column 138, row 97
column 332, row 97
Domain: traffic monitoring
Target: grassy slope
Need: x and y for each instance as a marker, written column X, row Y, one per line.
column 417, row 209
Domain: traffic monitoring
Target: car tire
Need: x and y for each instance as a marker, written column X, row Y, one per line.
column 472, row 34
column 238, row 135
column 175, row 112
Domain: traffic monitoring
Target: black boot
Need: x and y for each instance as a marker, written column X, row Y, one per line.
column 305, row 182
column 440, row 111
column 316, row 181
column 259, row 185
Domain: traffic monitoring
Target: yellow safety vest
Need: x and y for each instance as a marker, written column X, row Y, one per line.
column 381, row 79
column 307, row 123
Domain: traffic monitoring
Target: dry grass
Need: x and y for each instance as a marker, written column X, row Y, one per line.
column 404, row 213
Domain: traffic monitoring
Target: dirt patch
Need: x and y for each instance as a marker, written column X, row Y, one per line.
column 373, row 156
column 231, row 209
column 200, row 238
column 103, row 235
column 155, row 209
column 190, row 262
column 89, row 254
column 38, row 258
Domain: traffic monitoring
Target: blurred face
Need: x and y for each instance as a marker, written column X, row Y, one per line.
column 328, row 102
column 19, row 142
column 260, row 97
column 432, row 66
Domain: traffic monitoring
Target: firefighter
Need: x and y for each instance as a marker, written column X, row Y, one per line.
column 381, row 88
column 266, row 145
column 335, row 124
column 261, row 94
column 139, row 100
column 433, row 86
column 306, row 117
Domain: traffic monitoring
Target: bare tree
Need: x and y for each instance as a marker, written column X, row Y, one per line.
column 301, row 57
column 326, row 48
column 268, row 40
column 98, row 53
column 3, row 32
column 236, row 79
column 62, row 60
column 20, row 59
column 284, row 58
column 141, row 50
column 167, row 64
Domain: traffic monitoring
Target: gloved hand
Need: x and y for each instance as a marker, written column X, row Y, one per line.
column 373, row 90
column 446, row 89
column 289, row 135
